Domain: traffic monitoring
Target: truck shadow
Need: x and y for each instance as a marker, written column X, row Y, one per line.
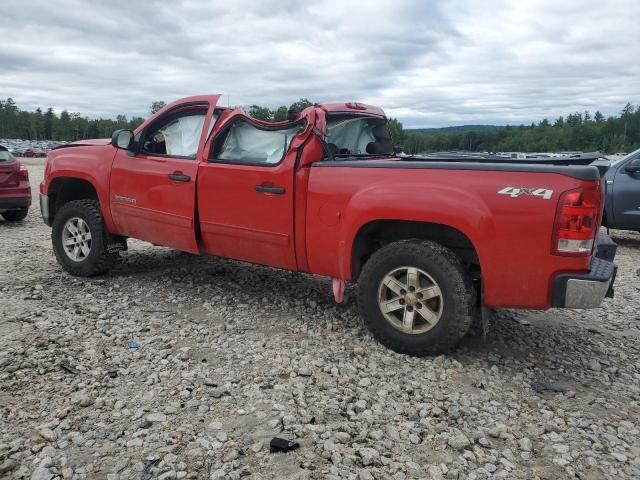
column 540, row 345
column 542, row 350
column 224, row 275
column 625, row 238
column 628, row 242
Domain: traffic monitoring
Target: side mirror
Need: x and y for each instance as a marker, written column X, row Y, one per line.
column 633, row 166
column 122, row 139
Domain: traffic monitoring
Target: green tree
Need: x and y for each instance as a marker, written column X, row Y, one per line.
column 577, row 131
column 625, row 115
column 49, row 118
column 280, row 114
column 261, row 113
column 300, row 105
column 37, row 125
column 64, row 130
column 398, row 135
column 157, row 105
column 93, row 131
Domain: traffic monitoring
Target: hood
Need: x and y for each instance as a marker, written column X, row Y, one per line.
column 101, row 142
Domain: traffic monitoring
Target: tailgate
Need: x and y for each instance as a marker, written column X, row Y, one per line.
column 9, row 173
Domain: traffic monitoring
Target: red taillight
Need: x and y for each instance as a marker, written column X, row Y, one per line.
column 24, row 173
column 577, row 222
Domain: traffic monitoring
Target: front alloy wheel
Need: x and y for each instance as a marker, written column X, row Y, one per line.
column 80, row 238
column 76, row 239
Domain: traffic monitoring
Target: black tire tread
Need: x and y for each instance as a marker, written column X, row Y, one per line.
column 101, row 261
column 457, row 325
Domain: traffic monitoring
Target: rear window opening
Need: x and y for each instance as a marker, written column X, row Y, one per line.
column 349, row 134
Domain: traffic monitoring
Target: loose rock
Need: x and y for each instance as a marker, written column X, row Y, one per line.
column 232, row 355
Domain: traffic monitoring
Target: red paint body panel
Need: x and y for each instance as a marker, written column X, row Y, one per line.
column 313, row 224
column 90, row 163
column 512, row 236
column 146, row 204
column 236, row 221
column 341, row 107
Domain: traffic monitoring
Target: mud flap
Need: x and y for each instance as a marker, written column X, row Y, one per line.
column 338, row 289
column 116, row 244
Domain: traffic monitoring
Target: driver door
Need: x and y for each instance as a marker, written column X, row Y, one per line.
column 153, row 192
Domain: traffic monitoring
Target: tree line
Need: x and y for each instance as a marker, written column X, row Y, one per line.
column 47, row 125
column 575, row 132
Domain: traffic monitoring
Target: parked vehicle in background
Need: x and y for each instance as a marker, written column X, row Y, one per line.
column 429, row 240
column 29, row 148
column 15, row 191
column 622, row 205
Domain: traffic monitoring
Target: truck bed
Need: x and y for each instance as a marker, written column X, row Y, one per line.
column 583, row 167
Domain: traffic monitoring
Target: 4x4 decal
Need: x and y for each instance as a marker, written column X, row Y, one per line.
column 515, row 192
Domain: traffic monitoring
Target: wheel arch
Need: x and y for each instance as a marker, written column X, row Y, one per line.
column 63, row 190
column 375, row 234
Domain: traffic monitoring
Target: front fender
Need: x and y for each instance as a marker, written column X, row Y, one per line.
column 91, row 164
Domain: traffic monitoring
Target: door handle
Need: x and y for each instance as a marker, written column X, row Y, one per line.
column 273, row 189
column 179, row 177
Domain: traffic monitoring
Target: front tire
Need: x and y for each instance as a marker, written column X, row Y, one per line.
column 416, row 297
column 15, row 215
column 79, row 238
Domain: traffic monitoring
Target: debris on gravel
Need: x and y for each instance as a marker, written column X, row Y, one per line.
column 229, row 356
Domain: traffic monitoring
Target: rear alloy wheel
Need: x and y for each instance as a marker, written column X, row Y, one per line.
column 416, row 297
column 410, row 300
column 16, row 215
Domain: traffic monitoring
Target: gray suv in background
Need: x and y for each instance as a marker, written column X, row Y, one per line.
column 622, row 206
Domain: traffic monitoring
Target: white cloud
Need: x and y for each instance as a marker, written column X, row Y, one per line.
column 443, row 63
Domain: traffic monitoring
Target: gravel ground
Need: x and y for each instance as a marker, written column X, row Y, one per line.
column 176, row 366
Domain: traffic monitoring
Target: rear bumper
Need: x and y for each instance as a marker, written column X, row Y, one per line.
column 588, row 290
column 14, row 203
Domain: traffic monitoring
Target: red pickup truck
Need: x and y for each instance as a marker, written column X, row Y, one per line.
column 429, row 240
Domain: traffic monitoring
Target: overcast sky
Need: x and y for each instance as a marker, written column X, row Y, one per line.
column 428, row 63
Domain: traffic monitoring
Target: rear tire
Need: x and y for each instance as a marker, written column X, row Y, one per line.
column 427, row 295
column 15, row 215
column 82, row 254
